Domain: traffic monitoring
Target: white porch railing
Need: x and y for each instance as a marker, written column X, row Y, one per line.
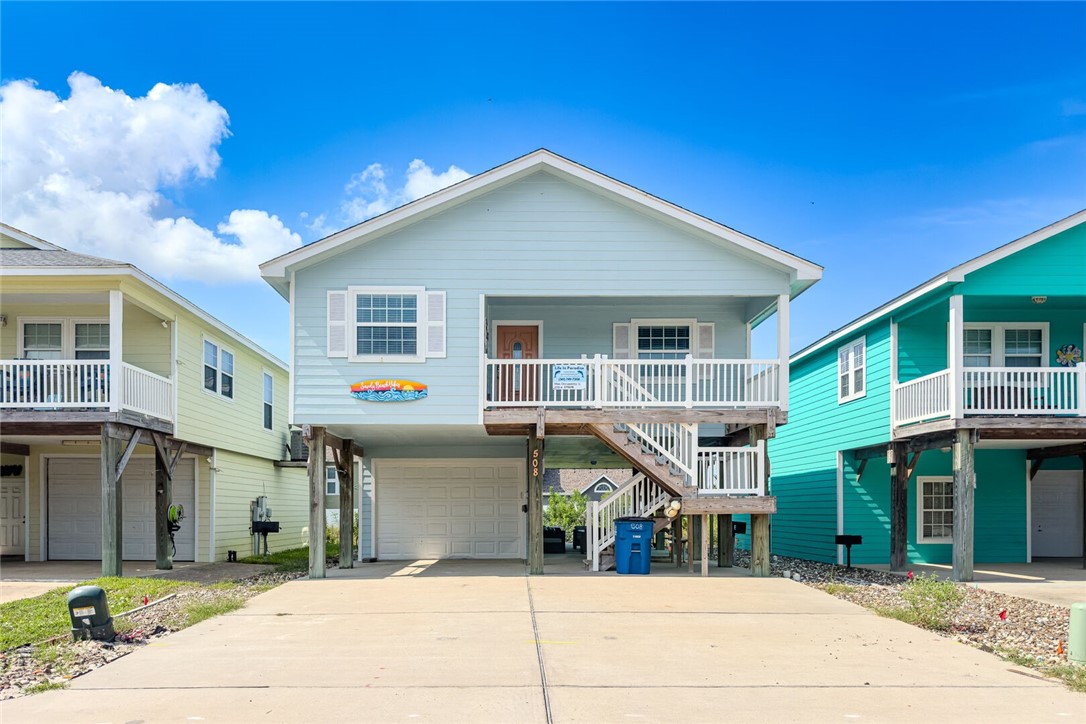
column 82, row 384
column 993, row 391
column 1023, row 390
column 146, row 392
column 732, row 470
column 600, row 382
column 639, row 497
column 924, row 398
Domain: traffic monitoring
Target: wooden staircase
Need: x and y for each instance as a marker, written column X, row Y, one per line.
column 653, row 466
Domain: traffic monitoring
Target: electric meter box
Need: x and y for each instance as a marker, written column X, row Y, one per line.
column 90, row 614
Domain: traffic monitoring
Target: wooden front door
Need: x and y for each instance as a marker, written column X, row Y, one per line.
column 516, row 342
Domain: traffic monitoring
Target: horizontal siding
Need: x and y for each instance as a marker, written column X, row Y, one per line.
column 240, row 479
column 539, row 236
column 228, row 424
column 1054, row 267
column 804, row 453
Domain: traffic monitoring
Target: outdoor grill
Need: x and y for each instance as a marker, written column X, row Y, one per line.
column 262, row 528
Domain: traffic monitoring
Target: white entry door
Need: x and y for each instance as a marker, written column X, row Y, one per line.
column 450, row 509
column 1056, row 503
column 75, row 509
column 12, row 516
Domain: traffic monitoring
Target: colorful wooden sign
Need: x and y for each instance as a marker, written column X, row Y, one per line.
column 388, row 390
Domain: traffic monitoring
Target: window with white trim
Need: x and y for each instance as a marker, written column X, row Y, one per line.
column 54, row 339
column 218, row 370
column 268, row 399
column 603, row 488
column 386, row 324
column 935, row 507
column 1013, row 344
column 852, row 370
column 331, row 480
column 663, row 341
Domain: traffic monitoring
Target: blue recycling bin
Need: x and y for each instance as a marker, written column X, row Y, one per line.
column 633, row 545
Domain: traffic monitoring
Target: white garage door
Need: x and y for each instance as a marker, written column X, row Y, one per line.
column 450, row 509
column 75, row 509
column 1056, row 508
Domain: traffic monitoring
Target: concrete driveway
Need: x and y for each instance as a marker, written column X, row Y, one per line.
column 482, row 642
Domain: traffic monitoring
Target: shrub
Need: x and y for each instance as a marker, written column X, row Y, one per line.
column 565, row 512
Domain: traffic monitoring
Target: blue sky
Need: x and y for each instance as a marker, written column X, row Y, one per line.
column 886, row 142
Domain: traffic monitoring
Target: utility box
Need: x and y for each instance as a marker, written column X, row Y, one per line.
column 1076, row 634
column 90, row 614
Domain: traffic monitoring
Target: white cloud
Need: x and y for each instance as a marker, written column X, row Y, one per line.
column 367, row 193
column 88, row 173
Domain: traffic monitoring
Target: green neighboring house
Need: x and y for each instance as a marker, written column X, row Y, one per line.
column 948, row 425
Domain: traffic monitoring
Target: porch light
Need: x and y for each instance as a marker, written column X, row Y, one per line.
column 1039, row 299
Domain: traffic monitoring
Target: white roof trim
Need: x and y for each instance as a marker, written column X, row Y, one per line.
column 28, row 239
column 953, row 276
column 155, row 285
column 277, row 269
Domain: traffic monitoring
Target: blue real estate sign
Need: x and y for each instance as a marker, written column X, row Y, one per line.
column 569, row 377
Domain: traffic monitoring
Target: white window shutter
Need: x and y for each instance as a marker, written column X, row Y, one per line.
column 435, row 324
column 706, row 341
column 623, row 342
column 337, row 324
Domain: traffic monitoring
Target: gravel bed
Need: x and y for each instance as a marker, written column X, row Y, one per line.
column 1029, row 627
column 57, row 663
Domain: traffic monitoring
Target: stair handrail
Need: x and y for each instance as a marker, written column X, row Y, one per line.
column 607, row 384
column 682, row 450
column 640, row 496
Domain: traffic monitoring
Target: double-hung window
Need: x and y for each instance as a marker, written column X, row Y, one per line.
column 218, row 369
column 386, row 324
column 56, row 339
column 268, row 397
column 331, row 480
column 664, row 341
column 935, row 523
column 1005, row 344
column 852, row 370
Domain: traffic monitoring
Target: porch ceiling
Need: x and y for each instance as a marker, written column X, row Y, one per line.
column 1020, row 301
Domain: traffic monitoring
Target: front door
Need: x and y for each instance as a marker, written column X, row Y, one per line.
column 516, row 342
column 12, row 517
column 1056, row 508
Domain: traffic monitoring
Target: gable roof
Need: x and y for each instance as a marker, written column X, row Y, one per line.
column 277, row 271
column 563, row 481
column 29, row 240
column 43, row 258
column 951, row 276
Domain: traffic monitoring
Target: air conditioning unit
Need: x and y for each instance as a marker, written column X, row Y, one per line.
column 299, row 451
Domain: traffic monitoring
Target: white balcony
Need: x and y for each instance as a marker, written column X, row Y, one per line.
column 601, row 383
column 1029, row 391
column 84, row 385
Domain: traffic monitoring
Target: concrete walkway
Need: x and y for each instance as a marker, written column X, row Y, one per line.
column 482, row 642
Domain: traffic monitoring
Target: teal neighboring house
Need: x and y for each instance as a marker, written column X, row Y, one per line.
column 948, row 425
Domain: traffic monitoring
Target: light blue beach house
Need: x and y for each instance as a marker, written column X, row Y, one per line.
column 443, row 341
column 948, row 425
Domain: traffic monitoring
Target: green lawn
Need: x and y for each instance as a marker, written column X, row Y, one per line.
column 30, row 620
column 292, row 559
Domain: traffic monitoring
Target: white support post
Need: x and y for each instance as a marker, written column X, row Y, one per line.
column 955, row 354
column 1080, row 371
column 782, row 348
column 597, row 381
column 893, row 376
column 116, row 335
column 689, row 382
column 592, row 535
column 761, row 468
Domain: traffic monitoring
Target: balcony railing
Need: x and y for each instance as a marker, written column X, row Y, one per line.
column 82, row 385
column 599, row 382
column 1028, row 391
